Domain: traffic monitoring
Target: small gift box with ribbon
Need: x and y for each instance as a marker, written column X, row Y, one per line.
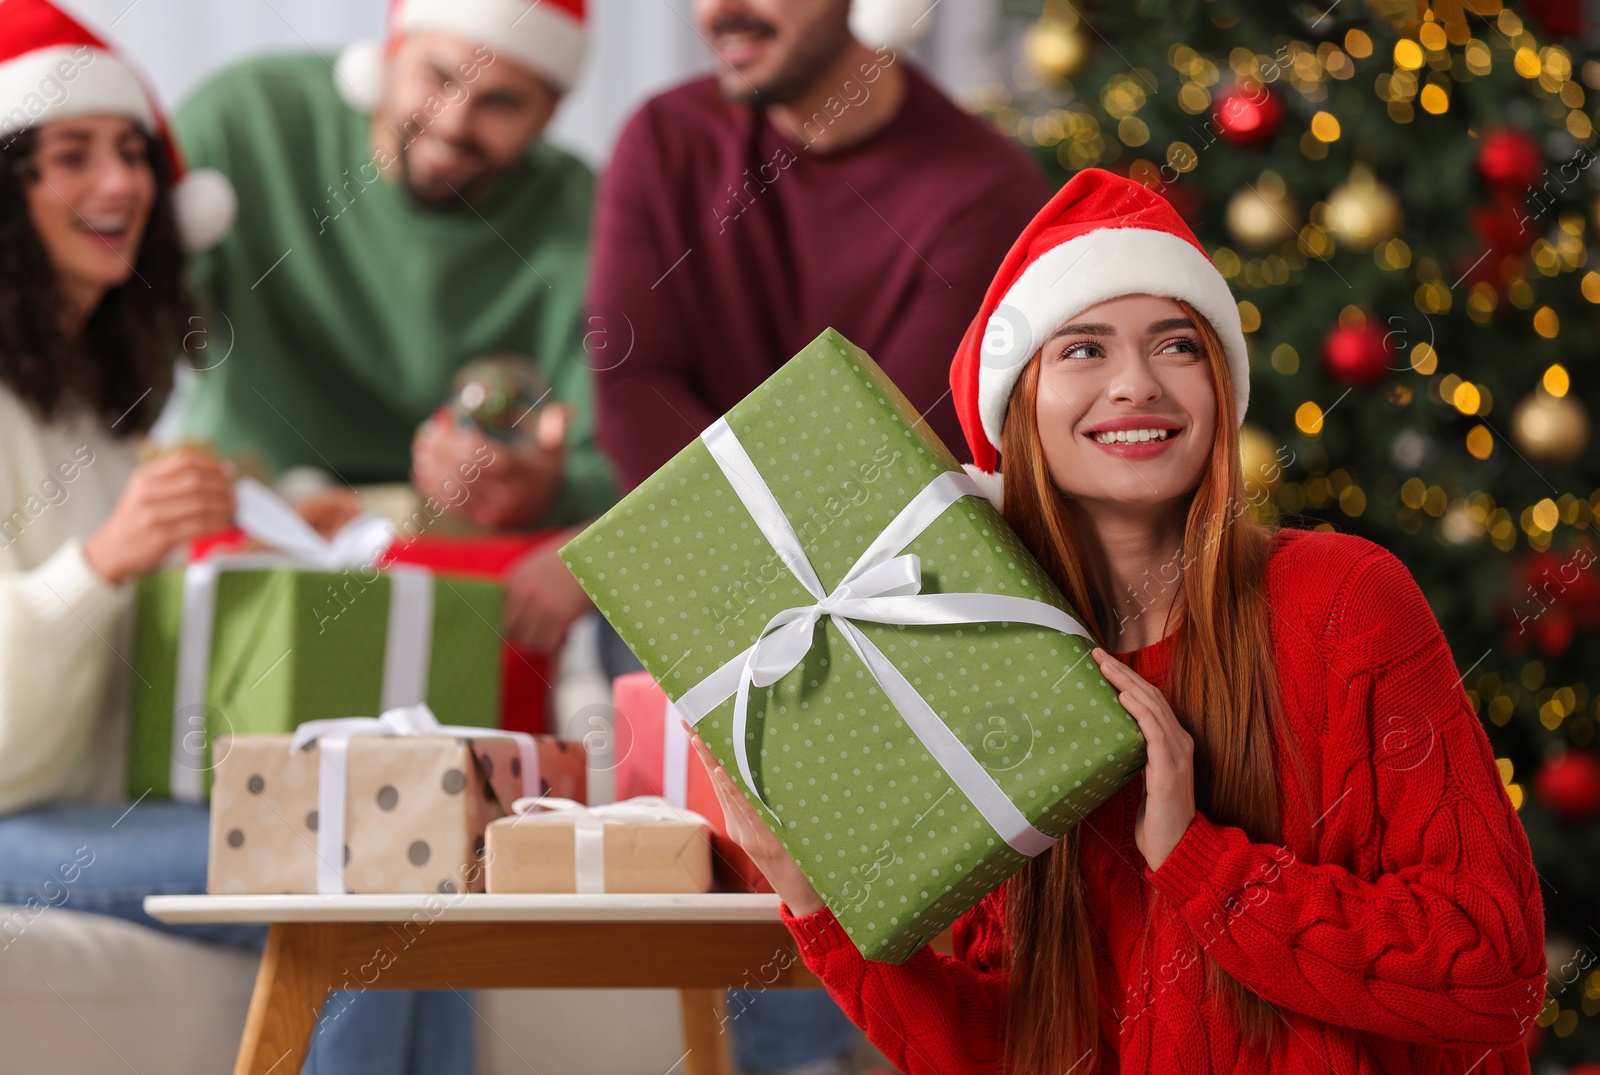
column 657, row 761
column 396, row 803
column 257, row 642
column 644, row 844
column 889, row 675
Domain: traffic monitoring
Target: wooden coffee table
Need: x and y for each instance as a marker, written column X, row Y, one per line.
column 700, row 945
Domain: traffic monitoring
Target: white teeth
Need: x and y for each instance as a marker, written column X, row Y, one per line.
column 107, row 224
column 1132, row 436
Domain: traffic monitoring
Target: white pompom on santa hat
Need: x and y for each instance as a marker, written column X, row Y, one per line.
column 548, row 37
column 1101, row 237
column 890, row 23
column 52, row 67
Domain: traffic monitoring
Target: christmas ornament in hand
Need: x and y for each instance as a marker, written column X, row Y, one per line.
column 499, row 395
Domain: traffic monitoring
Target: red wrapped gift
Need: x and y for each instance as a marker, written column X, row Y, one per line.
column 658, row 760
column 525, row 676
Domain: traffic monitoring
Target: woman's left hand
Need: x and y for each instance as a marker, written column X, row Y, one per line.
column 1168, row 803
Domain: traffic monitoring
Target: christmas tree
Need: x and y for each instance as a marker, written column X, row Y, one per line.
column 1402, row 196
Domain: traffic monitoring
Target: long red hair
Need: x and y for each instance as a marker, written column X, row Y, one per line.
column 1221, row 670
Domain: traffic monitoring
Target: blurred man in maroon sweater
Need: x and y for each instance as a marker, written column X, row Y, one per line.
column 811, row 181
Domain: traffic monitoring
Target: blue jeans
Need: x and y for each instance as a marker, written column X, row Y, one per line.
column 107, row 859
column 772, row 1029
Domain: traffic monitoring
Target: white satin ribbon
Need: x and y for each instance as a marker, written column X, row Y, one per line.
column 269, row 519
column 589, row 829
column 675, row 759
column 882, row 587
column 333, row 736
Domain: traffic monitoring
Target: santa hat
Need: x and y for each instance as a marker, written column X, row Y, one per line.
column 52, row 67
column 1101, row 237
column 547, row 37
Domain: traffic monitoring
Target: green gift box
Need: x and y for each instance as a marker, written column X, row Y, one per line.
column 290, row 644
column 908, row 766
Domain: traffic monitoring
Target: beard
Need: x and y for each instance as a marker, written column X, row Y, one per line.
column 436, row 192
column 816, row 49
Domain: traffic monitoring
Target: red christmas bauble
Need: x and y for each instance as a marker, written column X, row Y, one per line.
column 1247, row 114
column 1357, row 356
column 1569, row 785
column 1509, row 159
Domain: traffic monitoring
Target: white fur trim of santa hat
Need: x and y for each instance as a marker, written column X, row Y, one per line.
column 890, row 23
column 545, row 36
column 1102, row 265
column 34, row 89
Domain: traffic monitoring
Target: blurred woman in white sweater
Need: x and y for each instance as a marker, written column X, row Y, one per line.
column 92, row 313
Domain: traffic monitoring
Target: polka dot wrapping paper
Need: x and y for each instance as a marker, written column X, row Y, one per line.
column 291, row 645
column 681, row 570
column 415, row 810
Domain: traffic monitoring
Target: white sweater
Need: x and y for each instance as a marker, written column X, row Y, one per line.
column 64, row 631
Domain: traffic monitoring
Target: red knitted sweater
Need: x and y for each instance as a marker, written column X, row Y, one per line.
column 1398, row 928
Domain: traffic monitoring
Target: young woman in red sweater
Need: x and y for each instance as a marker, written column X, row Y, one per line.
column 1318, row 869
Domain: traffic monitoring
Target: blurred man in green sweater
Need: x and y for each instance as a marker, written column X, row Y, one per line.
column 399, row 216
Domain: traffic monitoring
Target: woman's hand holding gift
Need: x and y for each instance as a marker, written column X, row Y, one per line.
column 1167, row 806
column 170, row 500
column 746, row 829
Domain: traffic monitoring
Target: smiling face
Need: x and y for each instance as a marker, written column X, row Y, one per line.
column 89, row 193
column 465, row 115
column 772, row 51
column 1127, row 407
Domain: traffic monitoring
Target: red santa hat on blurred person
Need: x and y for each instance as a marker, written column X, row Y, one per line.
column 548, row 37
column 1101, row 237
column 52, row 67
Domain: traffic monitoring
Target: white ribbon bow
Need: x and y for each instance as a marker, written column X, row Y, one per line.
column 589, row 828
column 333, row 736
column 882, row 587
column 269, row 519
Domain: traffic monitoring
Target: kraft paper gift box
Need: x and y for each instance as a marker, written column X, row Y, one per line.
column 415, row 809
column 294, row 636
column 642, row 844
column 914, row 735
column 659, row 762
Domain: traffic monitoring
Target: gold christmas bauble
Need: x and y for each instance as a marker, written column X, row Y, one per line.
column 1261, row 460
column 1055, row 50
column 1263, row 216
column 1550, row 429
column 1362, row 212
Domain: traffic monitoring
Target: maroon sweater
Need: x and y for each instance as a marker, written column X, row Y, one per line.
column 723, row 247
